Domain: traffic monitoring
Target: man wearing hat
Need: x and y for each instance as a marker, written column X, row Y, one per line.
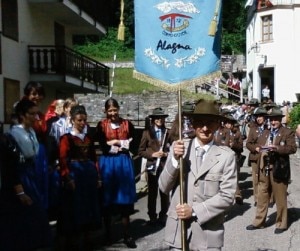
column 209, row 183
column 236, row 144
column 154, row 147
column 249, row 119
column 221, row 136
column 274, row 172
column 256, row 137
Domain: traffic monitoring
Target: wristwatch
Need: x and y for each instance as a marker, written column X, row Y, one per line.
column 194, row 215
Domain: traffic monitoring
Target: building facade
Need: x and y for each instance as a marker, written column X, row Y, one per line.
column 273, row 50
column 35, row 45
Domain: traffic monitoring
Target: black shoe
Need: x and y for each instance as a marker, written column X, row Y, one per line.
column 279, row 230
column 271, row 204
column 129, row 242
column 162, row 220
column 252, row 227
column 239, row 200
column 152, row 222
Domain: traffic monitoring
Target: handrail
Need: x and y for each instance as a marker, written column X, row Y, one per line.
column 231, row 92
column 49, row 59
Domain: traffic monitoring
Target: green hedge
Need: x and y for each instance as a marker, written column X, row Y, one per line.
column 105, row 49
column 294, row 117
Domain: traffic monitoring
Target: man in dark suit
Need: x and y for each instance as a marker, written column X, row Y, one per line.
column 154, row 147
column 274, row 172
column 257, row 137
column 236, row 144
column 210, row 183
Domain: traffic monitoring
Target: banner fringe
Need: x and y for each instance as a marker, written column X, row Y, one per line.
column 175, row 87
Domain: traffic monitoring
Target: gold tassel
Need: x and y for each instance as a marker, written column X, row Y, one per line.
column 121, row 29
column 213, row 24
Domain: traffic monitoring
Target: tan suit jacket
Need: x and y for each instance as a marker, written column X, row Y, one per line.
column 210, row 192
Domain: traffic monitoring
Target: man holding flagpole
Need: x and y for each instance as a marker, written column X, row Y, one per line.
column 178, row 44
column 210, row 180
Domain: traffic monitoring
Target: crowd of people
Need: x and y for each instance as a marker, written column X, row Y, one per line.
column 51, row 174
column 53, row 168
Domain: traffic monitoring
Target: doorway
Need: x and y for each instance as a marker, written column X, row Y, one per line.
column 59, row 34
column 267, row 78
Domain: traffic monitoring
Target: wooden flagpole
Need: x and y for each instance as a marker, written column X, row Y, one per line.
column 112, row 75
column 181, row 178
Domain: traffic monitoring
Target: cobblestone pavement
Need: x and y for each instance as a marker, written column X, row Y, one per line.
column 237, row 238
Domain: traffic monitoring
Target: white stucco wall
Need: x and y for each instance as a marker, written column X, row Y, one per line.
column 36, row 27
column 282, row 53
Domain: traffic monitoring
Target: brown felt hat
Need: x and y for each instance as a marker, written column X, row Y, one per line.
column 206, row 109
column 158, row 112
column 229, row 118
column 188, row 107
column 253, row 102
column 275, row 112
column 260, row 111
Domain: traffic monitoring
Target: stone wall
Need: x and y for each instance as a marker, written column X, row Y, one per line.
column 132, row 106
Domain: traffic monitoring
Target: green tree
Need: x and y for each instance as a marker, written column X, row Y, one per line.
column 234, row 27
column 294, row 117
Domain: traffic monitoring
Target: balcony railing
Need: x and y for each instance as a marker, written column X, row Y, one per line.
column 64, row 61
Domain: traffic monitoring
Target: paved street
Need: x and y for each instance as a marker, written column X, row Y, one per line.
column 237, row 238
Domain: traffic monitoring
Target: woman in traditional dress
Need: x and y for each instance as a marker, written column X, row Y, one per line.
column 52, row 115
column 35, row 92
column 23, row 219
column 80, row 209
column 116, row 166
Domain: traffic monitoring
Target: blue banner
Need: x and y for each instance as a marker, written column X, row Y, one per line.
column 177, row 42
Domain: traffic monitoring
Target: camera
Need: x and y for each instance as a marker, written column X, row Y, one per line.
column 267, row 164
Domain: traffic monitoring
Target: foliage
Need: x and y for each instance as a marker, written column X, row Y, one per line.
column 234, row 27
column 106, row 48
column 294, row 117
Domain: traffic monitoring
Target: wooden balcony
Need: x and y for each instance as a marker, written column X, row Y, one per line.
column 60, row 60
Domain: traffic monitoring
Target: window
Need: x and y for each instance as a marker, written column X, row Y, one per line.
column 264, row 4
column 11, row 96
column 267, row 28
column 10, row 19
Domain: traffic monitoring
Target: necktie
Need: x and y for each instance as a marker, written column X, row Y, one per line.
column 200, row 154
column 158, row 134
column 273, row 135
column 260, row 130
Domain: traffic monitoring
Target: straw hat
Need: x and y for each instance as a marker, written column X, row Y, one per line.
column 206, row 109
column 158, row 112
